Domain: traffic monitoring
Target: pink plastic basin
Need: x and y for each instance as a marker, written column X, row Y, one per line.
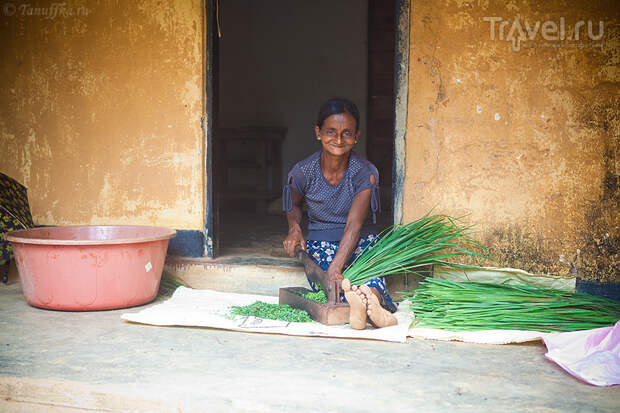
column 90, row 267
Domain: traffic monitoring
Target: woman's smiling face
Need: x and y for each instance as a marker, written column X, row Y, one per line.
column 338, row 134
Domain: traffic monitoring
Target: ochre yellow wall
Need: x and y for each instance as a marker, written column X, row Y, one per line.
column 100, row 119
column 525, row 141
column 100, row 112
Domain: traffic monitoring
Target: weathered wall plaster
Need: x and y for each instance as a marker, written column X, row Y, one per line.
column 100, row 110
column 526, row 141
column 100, row 118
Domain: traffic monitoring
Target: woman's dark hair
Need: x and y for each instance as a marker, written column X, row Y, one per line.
column 335, row 106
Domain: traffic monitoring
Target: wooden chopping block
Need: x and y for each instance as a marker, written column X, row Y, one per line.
column 331, row 313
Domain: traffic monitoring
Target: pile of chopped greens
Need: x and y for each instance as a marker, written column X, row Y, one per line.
column 318, row 297
column 282, row 312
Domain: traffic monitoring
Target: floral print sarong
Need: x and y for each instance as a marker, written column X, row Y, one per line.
column 323, row 253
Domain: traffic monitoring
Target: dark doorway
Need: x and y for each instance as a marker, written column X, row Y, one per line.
column 274, row 64
column 380, row 123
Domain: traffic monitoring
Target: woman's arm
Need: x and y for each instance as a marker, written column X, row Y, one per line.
column 355, row 221
column 295, row 236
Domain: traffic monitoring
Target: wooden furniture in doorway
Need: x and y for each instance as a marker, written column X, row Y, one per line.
column 248, row 166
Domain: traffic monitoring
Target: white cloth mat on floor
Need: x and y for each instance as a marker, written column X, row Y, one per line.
column 208, row 308
column 480, row 337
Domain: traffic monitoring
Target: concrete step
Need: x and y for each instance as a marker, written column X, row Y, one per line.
column 255, row 274
column 239, row 274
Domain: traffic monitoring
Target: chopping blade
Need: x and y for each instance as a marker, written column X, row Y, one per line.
column 318, row 276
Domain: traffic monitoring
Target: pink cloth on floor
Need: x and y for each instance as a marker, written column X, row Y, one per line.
column 590, row 355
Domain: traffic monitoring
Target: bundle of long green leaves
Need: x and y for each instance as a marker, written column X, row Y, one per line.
column 468, row 306
column 414, row 247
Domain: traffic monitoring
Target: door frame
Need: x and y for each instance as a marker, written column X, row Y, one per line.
column 401, row 92
column 401, row 98
column 207, row 121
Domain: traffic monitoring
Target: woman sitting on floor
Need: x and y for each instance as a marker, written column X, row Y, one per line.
column 339, row 187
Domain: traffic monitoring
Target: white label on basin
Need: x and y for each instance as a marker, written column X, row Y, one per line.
column 148, row 266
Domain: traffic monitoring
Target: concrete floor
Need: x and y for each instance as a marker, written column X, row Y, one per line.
column 68, row 361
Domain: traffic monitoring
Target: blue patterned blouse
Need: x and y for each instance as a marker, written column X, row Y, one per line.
column 328, row 205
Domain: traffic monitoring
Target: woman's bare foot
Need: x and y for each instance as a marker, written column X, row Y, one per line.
column 357, row 302
column 377, row 314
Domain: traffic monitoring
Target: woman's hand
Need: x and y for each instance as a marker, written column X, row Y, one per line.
column 293, row 239
column 334, row 275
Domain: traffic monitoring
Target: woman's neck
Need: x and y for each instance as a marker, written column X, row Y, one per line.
column 332, row 163
column 334, row 167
